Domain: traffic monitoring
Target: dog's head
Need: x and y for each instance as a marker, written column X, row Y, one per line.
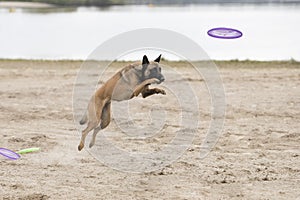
column 152, row 69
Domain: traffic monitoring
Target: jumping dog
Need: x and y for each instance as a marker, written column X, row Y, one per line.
column 127, row 83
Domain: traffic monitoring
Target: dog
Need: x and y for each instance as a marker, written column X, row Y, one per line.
column 127, row 83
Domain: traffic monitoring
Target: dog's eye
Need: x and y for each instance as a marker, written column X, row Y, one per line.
column 159, row 69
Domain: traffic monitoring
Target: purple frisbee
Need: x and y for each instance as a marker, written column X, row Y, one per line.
column 9, row 154
column 224, row 33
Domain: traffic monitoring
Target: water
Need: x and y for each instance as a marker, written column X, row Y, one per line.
column 271, row 32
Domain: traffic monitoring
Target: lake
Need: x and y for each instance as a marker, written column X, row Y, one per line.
column 270, row 32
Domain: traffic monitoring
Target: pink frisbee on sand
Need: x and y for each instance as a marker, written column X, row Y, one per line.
column 224, row 33
column 9, row 154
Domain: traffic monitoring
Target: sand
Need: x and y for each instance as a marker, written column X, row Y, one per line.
column 257, row 156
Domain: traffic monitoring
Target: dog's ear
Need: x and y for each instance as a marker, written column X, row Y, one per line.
column 145, row 60
column 145, row 64
column 158, row 59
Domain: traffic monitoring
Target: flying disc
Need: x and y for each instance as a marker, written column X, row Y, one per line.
column 29, row 150
column 225, row 33
column 9, row 154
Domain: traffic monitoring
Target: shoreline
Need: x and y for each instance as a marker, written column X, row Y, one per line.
column 28, row 4
column 19, row 63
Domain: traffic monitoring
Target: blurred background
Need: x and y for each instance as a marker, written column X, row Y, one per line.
column 64, row 29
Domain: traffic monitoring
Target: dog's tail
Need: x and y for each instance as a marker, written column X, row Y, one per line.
column 84, row 119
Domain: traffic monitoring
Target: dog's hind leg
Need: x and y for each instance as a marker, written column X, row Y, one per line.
column 96, row 130
column 94, row 118
column 105, row 117
column 90, row 126
column 105, row 120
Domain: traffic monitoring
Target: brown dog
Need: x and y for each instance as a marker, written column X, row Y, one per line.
column 124, row 85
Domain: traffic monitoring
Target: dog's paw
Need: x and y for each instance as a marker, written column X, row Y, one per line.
column 162, row 92
column 91, row 144
column 80, row 147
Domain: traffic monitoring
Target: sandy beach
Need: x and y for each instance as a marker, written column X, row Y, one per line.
column 256, row 157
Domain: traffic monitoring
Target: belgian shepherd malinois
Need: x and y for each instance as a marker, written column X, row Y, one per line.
column 127, row 83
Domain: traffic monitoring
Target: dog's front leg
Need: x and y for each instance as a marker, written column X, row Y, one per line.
column 138, row 89
column 148, row 92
